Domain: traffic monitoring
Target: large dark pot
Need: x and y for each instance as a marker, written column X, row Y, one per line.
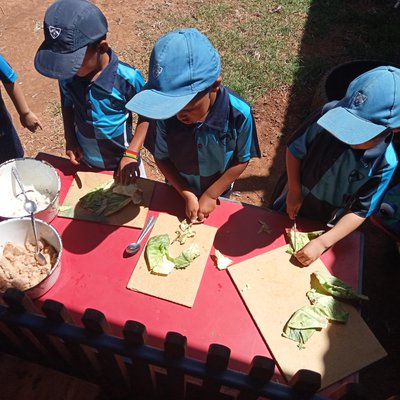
column 334, row 83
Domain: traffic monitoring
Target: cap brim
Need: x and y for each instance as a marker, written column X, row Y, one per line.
column 57, row 65
column 156, row 105
column 349, row 128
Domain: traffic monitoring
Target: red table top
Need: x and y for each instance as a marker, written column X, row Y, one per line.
column 94, row 273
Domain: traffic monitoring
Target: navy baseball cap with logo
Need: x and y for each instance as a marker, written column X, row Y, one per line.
column 69, row 27
column 370, row 107
column 182, row 64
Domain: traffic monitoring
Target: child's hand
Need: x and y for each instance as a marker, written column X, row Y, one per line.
column 207, row 205
column 294, row 199
column 75, row 154
column 30, row 121
column 128, row 170
column 192, row 206
column 310, row 252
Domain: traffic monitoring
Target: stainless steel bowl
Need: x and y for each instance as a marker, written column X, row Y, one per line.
column 43, row 185
column 18, row 231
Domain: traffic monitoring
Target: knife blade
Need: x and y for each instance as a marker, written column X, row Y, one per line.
column 294, row 229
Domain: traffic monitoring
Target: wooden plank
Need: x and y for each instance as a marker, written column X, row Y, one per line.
column 273, row 289
column 132, row 215
column 180, row 286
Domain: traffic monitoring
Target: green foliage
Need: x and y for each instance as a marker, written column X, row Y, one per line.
column 265, row 44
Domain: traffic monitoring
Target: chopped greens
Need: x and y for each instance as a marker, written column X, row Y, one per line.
column 159, row 260
column 328, row 306
column 302, row 238
column 187, row 256
column 337, row 287
column 184, row 232
column 324, row 307
column 264, row 228
column 110, row 198
column 303, row 323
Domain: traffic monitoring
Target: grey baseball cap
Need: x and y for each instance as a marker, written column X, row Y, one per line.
column 69, row 27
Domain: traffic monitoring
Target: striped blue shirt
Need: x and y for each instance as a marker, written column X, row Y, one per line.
column 103, row 124
column 202, row 152
column 336, row 178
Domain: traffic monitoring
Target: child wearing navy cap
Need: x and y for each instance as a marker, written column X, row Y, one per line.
column 340, row 162
column 95, row 87
column 206, row 134
column 10, row 144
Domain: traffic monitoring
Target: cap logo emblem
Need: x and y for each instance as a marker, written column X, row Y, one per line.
column 157, row 70
column 54, row 32
column 359, row 99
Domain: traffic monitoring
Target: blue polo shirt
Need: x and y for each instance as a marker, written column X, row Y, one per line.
column 202, row 152
column 103, row 124
column 10, row 144
column 336, row 178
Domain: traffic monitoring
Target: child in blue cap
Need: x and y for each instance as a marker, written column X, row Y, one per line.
column 206, row 134
column 95, row 87
column 10, row 144
column 340, row 162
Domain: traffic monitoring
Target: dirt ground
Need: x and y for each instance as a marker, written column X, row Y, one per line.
column 21, row 34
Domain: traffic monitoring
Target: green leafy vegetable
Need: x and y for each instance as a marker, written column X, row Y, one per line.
column 303, row 323
column 159, row 260
column 337, row 287
column 264, row 228
column 157, row 255
column 327, row 306
column 302, row 238
column 187, row 256
column 184, row 232
column 110, row 198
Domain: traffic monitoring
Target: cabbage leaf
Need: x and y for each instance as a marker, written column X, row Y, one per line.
column 337, row 287
column 302, row 238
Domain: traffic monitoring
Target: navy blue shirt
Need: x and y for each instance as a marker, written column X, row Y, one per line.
column 336, row 178
column 202, row 152
column 103, row 124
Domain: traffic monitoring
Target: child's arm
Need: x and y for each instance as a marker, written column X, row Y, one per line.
column 172, row 176
column 294, row 197
column 73, row 149
column 128, row 167
column 26, row 116
column 208, row 200
column 312, row 250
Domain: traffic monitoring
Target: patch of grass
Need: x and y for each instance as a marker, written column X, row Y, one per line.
column 263, row 43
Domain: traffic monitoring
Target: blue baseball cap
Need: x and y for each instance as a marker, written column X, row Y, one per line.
column 69, row 27
column 182, row 64
column 371, row 106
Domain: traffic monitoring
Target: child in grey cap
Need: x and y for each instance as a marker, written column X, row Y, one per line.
column 95, row 87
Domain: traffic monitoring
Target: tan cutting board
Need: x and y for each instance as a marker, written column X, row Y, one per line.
column 273, row 289
column 132, row 215
column 180, row 286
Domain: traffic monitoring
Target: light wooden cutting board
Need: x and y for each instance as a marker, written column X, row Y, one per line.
column 132, row 215
column 273, row 289
column 180, row 286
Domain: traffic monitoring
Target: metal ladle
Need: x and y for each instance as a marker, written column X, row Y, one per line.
column 30, row 207
column 134, row 247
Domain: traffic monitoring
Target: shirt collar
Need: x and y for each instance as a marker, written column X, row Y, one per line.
column 106, row 79
column 380, row 148
column 218, row 113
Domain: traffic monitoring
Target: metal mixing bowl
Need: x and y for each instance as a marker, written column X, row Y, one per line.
column 42, row 183
column 18, row 231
